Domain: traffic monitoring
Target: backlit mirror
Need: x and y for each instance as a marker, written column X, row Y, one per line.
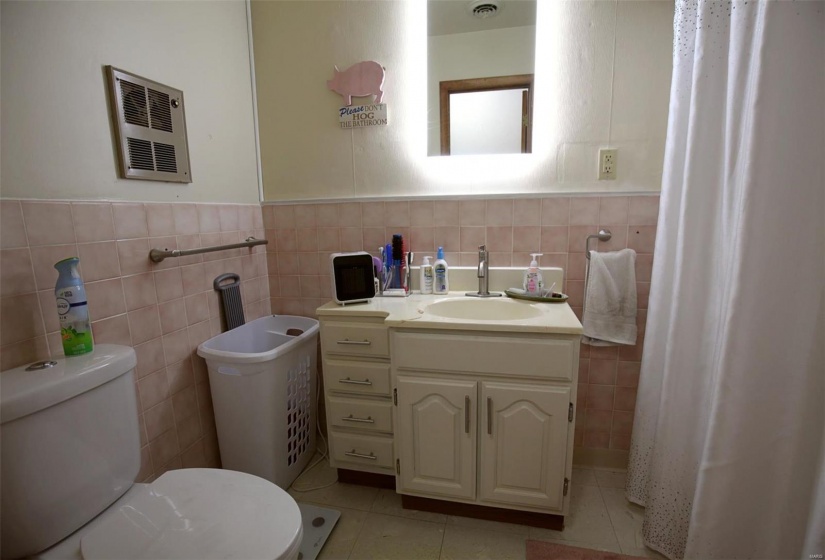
column 480, row 65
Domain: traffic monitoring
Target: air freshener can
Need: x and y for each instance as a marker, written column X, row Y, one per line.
column 73, row 309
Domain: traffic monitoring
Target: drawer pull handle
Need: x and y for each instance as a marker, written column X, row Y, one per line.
column 466, row 414
column 351, row 418
column 355, row 381
column 355, row 342
column 489, row 416
column 352, row 453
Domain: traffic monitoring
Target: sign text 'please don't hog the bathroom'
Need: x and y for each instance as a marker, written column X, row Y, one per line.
column 363, row 115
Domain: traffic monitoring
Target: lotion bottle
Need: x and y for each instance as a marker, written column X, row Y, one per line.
column 442, row 274
column 533, row 281
column 426, row 277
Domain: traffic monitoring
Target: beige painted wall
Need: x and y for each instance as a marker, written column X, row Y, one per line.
column 605, row 78
column 57, row 139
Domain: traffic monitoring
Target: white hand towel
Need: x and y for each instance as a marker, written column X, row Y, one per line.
column 610, row 303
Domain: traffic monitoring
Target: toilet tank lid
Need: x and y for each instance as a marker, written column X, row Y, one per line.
column 25, row 392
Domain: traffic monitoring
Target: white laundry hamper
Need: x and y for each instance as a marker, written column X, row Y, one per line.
column 264, row 386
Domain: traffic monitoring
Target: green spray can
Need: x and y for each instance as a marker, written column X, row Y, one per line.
column 73, row 309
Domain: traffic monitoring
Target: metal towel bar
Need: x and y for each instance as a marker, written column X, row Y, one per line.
column 157, row 255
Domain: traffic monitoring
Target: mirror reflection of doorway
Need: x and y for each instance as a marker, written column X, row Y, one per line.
column 486, row 115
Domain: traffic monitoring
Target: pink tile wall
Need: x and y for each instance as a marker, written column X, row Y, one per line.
column 163, row 310
column 302, row 237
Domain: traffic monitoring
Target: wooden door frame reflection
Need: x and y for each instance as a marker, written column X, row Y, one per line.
column 519, row 81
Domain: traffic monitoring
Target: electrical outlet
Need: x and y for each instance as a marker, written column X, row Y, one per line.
column 607, row 164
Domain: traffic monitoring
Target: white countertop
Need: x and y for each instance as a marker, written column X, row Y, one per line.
column 408, row 312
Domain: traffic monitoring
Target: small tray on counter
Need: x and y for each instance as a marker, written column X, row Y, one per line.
column 557, row 297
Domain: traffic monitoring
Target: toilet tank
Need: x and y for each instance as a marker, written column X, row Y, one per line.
column 69, row 445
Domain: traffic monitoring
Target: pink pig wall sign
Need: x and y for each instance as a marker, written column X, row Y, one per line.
column 360, row 80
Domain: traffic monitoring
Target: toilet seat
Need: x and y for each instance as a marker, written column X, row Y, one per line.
column 199, row 514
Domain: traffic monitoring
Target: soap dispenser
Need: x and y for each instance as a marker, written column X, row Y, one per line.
column 533, row 281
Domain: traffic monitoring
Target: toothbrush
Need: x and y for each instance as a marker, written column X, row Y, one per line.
column 404, row 268
column 388, row 265
column 382, row 259
column 407, row 284
column 377, row 266
column 397, row 256
column 379, row 272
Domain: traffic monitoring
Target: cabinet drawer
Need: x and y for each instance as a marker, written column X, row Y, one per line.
column 373, row 451
column 357, row 377
column 355, row 339
column 522, row 356
column 359, row 414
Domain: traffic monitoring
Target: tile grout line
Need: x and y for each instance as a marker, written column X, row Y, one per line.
column 360, row 529
column 34, row 277
column 443, row 536
column 609, row 517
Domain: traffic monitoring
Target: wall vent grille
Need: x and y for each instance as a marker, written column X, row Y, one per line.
column 140, row 154
column 150, row 123
column 135, row 110
column 165, row 158
column 160, row 111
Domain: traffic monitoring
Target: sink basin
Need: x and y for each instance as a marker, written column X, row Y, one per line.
column 483, row 309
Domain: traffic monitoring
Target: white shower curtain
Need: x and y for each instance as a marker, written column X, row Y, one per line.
column 727, row 453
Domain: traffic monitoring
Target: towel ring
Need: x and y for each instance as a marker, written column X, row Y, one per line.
column 603, row 235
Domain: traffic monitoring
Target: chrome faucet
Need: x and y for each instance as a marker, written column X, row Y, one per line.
column 483, row 275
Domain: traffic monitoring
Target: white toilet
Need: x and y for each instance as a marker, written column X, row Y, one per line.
column 70, row 455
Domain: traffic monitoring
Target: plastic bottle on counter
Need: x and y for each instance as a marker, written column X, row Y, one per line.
column 427, row 274
column 441, row 272
column 533, row 281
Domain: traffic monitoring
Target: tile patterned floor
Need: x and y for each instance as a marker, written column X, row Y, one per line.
column 374, row 525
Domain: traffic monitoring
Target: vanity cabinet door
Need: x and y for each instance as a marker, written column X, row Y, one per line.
column 436, row 436
column 523, row 438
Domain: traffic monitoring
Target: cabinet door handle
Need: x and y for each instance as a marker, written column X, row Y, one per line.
column 466, row 414
column 489, row 416
column 355, row 381
column 355, row 342
column 352, row 453
column 351, row 418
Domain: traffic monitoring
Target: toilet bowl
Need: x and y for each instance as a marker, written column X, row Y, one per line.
column 70, row 454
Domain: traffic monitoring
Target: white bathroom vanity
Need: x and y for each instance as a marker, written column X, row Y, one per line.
column 469, row 404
